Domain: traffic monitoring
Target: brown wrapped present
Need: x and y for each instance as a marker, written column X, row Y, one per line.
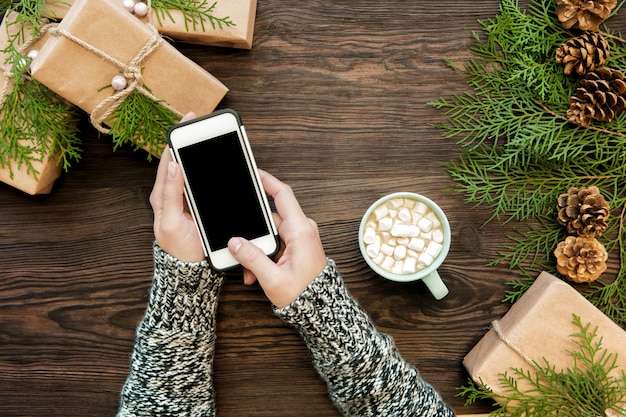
column 540, row 326
column 171, row 22
column 239, row 35
column 40, row 167
column 41, row 183
column 97, row 41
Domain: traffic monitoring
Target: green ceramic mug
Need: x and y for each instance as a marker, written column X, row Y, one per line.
column 418, row 225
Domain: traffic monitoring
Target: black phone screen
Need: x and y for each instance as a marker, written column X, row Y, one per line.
column 223, row 190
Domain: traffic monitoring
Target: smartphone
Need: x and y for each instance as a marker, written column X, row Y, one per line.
column 222, row 185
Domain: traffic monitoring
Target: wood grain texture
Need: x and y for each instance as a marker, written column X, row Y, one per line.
column 334, row 96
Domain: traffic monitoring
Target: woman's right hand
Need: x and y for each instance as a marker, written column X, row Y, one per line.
column 302, row 258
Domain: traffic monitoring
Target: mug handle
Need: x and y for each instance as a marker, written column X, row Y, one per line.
column 435, row 284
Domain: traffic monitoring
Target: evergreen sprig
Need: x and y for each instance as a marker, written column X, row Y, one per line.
column 32, row 14
column 36, row 124
column 141, row 121
column 593, row 386
column 195, row 12
column 519, row 152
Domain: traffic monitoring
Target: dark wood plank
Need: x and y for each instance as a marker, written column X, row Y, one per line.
column 335, row 97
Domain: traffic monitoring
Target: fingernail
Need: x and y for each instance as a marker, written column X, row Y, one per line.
column 171, row 170
column 234, row 244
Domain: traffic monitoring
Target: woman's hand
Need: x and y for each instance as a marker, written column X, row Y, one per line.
column 302, row 259
column 174, row 228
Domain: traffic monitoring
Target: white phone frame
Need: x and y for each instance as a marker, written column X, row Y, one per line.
column 205, row 128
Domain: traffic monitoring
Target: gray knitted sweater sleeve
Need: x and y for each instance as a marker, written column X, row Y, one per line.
column 363, row 370
column 172, row 361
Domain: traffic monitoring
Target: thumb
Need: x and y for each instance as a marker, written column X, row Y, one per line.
column 251, row 258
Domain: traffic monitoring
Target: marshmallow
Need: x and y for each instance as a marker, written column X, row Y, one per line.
column 412, row 254
column 373, row 250
column 434, row 249
column 438, row 235
column 379, row 259
column 433, row 218
column 404, row 215
column 381, row 212
column 397, row 267
column 399, row 252
column 425, row 224
column 400, row 230
column 385, row 224
column 386, row 249
column 417, row 244
column 387, row 263
column 414, row 231
column 369, row 236
column 420, row 208
column 395, row 203
column 409, row 266
column 404, row 241
column 425, row 259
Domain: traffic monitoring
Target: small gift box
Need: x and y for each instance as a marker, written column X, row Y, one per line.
column 18, row 176
column 226, row 23
column 539, row 327
column 28, row 163
column 238, row 34
column 100, row 54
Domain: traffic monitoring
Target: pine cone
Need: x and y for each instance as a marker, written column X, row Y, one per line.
column 583, row 212
column 583, row 14
column 583, row 53
column 600, row 95
column 581, row 259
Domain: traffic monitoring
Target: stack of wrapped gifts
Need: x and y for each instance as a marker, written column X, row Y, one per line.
column 109, row 59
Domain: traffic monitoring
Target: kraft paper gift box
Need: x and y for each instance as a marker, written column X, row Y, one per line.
column 540, row 326
column 172, row 22
column 18, row 177
column 96, row 41
column 241, row 12
column 46, row 165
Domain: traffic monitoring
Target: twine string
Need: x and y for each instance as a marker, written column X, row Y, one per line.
column 131, row 71
column 496, row 327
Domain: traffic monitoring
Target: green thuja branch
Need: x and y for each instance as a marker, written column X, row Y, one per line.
column 611, row 297
column 36, row 124
column 4, row 6
column 518, row 150
column 141, row 121
column 31, row 15
column 592, row 386
column 195, row 12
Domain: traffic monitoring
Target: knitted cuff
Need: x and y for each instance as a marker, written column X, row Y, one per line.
column 331, row 322
column 183, row 296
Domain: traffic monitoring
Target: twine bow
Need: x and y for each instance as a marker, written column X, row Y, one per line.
column 131, row 71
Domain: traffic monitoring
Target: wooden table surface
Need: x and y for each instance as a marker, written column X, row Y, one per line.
column 334, row 96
